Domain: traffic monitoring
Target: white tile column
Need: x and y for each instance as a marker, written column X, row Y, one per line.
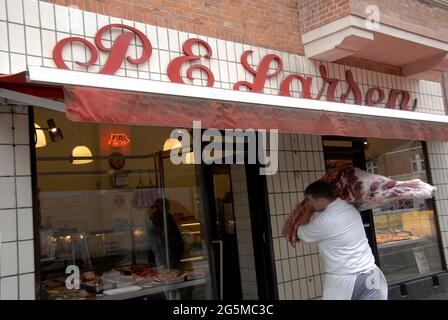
column 300, row 273
column 438, row 162
column 244, row 233
column 17, row 278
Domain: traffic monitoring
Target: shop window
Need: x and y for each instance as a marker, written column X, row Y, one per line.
column 406, row 234
column 105, row 216
column 372, row 167
column 418, row 165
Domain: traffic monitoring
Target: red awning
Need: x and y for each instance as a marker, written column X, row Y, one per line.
column 90, row 104
column 87, row 104
column 17, row 82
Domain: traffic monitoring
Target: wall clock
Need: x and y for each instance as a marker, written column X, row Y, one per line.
column 116, row 161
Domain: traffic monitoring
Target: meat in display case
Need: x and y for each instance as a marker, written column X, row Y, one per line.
column 126, row 283
column 405, row 240
column 393, row 226
column 128, row 223
column 129, row 259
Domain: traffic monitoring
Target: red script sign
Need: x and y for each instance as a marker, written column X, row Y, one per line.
column 397, row 99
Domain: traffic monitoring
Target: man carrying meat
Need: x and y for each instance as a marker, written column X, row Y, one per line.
column 337, row 228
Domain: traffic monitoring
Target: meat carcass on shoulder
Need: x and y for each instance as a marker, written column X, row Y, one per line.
column 362, row 189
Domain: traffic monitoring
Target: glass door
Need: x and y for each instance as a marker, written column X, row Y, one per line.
column 341, row 152
column 223, row 232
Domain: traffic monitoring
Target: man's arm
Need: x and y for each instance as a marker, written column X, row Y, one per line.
column 315, row 230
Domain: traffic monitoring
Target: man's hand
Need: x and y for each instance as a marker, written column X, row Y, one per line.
column 305, row 218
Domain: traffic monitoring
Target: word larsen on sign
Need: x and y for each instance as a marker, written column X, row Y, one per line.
column 117, row 53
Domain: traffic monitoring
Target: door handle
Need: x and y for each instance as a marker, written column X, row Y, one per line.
column 221, row 268
column 366, row 225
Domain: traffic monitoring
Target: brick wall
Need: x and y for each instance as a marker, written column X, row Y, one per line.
column 315, row 13
column 264, row 23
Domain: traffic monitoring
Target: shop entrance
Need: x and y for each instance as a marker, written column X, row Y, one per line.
column 239, row 232
column 223, row 232
column 238, row 221
column 342, row 152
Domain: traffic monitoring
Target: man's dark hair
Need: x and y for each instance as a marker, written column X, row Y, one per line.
column 319, row 189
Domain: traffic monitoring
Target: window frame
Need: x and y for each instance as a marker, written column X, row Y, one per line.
column 438, row 232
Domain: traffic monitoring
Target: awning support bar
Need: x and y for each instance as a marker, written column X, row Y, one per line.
column 27, row 99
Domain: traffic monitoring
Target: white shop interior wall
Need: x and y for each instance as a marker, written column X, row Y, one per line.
column 29, row 30
column 16, row 213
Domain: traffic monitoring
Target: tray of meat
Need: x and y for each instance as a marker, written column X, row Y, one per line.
column 403, row 236
column 88, row 276
column 170, row 276
column 146, row 282
column 360, row 188
column 146, row 272
column 196, row 274
column 384, row 237
column 62, row 293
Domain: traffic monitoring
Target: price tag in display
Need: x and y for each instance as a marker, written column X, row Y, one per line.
column 420, row 259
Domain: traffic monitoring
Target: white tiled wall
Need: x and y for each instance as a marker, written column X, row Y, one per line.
column 300, row 273
column 16, row 214
column 29, row 30
column 244, row 233
column 438, row 161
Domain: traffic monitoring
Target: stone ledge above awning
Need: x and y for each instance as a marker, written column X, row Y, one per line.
column 418, row 56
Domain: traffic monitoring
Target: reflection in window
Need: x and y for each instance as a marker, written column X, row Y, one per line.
column 372, row 167
column 109, row 218
column 406, row 233
column 418, row 164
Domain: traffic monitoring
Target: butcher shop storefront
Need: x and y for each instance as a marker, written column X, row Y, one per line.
column 115, row 217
